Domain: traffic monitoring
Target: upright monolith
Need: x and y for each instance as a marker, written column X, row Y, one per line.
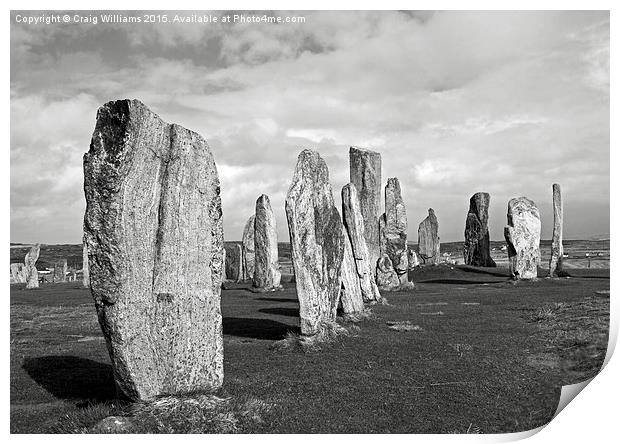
column 60, row 271
column 32, row 275
column 266, row 265
column 85, row 274
column 317, row 242
column 395, row 230
column 350, row 292
column 523, row 238
column 557, row 249
column 234, row 262
column 248, row 249
column 476, row 249
column 428, row 239
column 365, row 174
column 354, row 224
column 153, row 229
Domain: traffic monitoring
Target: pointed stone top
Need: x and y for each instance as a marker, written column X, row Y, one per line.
column 353, row 149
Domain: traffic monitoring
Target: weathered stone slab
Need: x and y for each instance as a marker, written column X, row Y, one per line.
column 428, row 239
column 248, row 249
column 354, row 224
column 85, row 273
column 387, row 279
column 153, row 229
column 60, row 271
column 395, row 229
column 351, row 292
column 317, row 242
column 18, row 273
column 523, row 238
column 234, row 262
column 267, row 273
column 365, row 174
column 557, row 248
column 476, row 249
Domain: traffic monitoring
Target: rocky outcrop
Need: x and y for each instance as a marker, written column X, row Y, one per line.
column 557, row 249
column 248, row 249
column 428, row 239
column 394, row 231
column 317, row 242
column 32, row 275
column 350, row 292
column 18, row 273
column 234, row 262
column 476, row 249
column 365, row 174
column 387, row 279
column 85, row 273
column 267, row 273
column 153, row 229
column 60, row 271
column 523, row 238
column 354, row 224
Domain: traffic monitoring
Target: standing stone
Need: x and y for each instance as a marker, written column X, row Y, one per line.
column 317, row 242
column 248, row 249
column 153, row 229
column 476, row 249
column 387, row 279
column 350, row 293
column 395, row 229
column 428, row 239
column 523, row 238
column 412, row 259
column 557, row 249
column 60, row 271
column 365, row 174
column 266, row 266
column 18, row 273
column 354, row 224
column 85, row 275
column 234, row 262
column 32, row 275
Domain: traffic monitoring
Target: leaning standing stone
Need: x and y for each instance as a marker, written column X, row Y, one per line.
column 365, row 174
column 248, row 249
column 428, row 239
column 234, row 264
column 60, row 271
column 395, row 230
column 317, row 242
column 153, row 229
column 32, row 275
column 85, row 275
column 557, row 249
column 523, row 238
column 266, row 265
column 354, row 224
column 350, row 293
column 476, row 249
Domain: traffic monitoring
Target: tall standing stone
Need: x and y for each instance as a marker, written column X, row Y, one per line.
column 248, row 249
column 32, row 275
column 85, row 274
column 476, row 249
column 354, row 224
column 317, row 242
column 523, row 238
column 60, row 271
column 395, row 229
column 365, row 174
column 153, row 229
column 351, row 292
column 234, row 262
column 428, row 239
column 266, row 265
column 557, row 249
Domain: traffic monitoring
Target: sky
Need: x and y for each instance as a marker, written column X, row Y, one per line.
column 456, row 102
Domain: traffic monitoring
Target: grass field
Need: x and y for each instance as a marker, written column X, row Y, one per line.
column 480, row 355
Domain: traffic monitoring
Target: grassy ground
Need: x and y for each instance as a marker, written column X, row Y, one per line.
column 478, row 354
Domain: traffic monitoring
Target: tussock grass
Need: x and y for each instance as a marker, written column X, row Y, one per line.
column 403, row 326
column 329, row 333
column 360, row 316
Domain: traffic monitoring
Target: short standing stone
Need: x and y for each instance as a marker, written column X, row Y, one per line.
column 234, row 264
column 266, row 265
column 476, row 249
column 85, row 275
column 428, row 239
column 248, row 249
column 387, row 279
column 395, row 229
column 18, row 273
column 557, row 249
column 350, row 293
column 354, row 224
column 153, row 229
column 60, row 271
column 523, row 238
column 365, row 174
column 317, row 242
column 412, row 259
